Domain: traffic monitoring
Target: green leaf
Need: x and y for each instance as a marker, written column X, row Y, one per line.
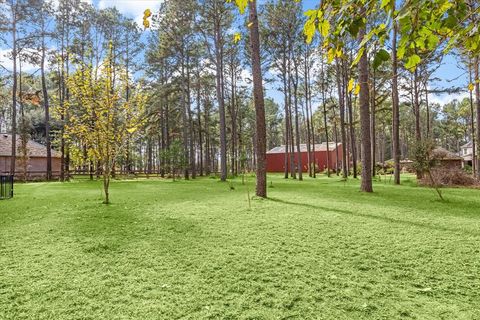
column 310, row 13
column 309, row 30
column 237, row 37
column 330, row 55
column 432, row 41
column 355, row 26
column 412, row 62
column 401, row 52
column 350, row 85
column 358, row 57
column 381, row 56
column 241, row 4
column 324, row 27
column 357, row 89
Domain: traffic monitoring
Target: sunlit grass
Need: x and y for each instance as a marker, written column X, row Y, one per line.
column 317, row 249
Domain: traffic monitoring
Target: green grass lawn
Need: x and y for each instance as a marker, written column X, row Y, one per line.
column 317, row 249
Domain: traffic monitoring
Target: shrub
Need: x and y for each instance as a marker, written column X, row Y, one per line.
column 468, row 169
column 449, row 177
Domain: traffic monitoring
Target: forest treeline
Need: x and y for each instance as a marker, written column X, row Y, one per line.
column 178, row 91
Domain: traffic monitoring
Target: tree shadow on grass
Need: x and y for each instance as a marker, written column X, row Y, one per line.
column 114, row 228
column 379, row 218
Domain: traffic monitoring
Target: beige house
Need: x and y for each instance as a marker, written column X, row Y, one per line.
column 37, row 158
column 466, row 152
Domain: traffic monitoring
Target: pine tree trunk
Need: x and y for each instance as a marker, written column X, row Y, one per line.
column 366, row 185
column 199, row 125
column 395, row 107
column 291, row 141
column 47, row 114
column 221, row 99
column 416, row 105
column 261, row 189
column 477, row 97
column 343, row 134
column 335, row 129
column 353, row 142
column 191, row 130
column 297, row 123
column 14, row 95
column 307, row 111
column 373, row 133
column 324, row 105
column 312, row 129
column 287, row 125
column 472, row 123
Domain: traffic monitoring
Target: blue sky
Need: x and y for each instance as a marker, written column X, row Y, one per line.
column 448, row 70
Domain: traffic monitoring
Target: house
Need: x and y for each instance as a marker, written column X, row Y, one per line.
column 37, row 158
column 466, row 152
column 276, row 157
column 446, row 159
column 406, row 165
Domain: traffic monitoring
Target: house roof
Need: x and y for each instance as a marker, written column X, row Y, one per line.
column 303, row 148
column 467, row 145
column 35, row 149
column 440, row 153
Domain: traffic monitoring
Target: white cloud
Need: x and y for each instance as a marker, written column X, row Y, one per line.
column 447, row 98
column 55, row 2
column 131, row 8
column 7, row 63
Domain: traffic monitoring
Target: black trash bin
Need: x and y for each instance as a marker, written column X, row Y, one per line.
column 6, row 187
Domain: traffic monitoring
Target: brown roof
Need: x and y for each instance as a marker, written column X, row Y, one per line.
column 35, row 149
column 303, row 148
column 440, row 153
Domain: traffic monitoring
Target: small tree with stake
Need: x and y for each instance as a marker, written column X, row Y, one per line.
column 100, row 117
column 424, row 161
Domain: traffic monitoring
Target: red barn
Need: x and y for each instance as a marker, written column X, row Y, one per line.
column 276, row 157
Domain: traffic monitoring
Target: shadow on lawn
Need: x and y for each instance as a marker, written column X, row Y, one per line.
column 380, row 218
column 114, row 228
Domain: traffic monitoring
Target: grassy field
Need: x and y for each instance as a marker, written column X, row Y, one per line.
column 317, row 249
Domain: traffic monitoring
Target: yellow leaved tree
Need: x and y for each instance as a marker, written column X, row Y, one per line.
column 101, row 118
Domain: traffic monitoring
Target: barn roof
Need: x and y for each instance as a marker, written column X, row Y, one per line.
column 35, row 149
column 303, row 147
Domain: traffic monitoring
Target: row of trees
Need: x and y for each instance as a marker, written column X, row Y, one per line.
column 192, row 84
column 411, row 36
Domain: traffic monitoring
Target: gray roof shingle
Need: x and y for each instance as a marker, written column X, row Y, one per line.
column 35, row 149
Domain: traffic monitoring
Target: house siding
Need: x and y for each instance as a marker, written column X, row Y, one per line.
column 36, row 167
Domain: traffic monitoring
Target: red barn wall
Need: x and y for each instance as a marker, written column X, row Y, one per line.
column 276, row 161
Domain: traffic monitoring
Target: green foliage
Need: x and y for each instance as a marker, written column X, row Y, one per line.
column 412, row 62
column 380, row 57
column 424, row 26
column 423, row 159
column 174, row 158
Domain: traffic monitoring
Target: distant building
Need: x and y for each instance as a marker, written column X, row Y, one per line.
column 447, row 159
column 37, row 158
column 276, row 157
column 466, row 152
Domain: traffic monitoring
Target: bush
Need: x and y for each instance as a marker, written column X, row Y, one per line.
column 449, row 178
